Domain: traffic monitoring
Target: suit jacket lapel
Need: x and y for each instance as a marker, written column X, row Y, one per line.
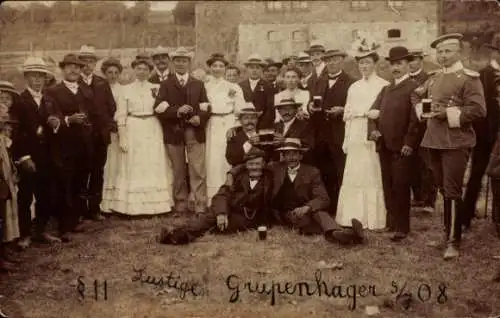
column 298, row 178
column 28, row 98
column 279, row 177
column 293, row 128
column 246, row 183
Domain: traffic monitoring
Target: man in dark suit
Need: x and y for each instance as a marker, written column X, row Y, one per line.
column 182, row 107
column 396, row 131
column 161, row 61
column 258, row 91
column 271, row 72
column 317, row 52
column 30, row 152
column 102, row 125
column 328, row 122
column 299, row 198
column 243, row 137
column 239, row 205
column 486, row 130
column 422, row 180
column 292, row 127
column 305, row 65
column 69, row 135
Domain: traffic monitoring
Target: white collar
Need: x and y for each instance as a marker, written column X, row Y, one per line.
column 184, row 76
column 87, row 78
column 34, row 93
column 254, row 81
column 495, row 65
column 416, row 73
column 164, row 73
column 335, row 75
column 397, row 81
column 293, row 170
column 71, row 85
column 290, row 122
column 306, row 78
column 319, row 68
column 457, row 66
column 250, row 134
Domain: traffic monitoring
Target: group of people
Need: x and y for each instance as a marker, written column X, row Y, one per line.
column 299, row 143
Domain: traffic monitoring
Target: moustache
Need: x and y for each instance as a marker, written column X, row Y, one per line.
column 396, row 72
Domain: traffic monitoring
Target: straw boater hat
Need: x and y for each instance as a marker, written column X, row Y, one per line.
column 249, row 109
column 160, row 50
column 398, row 53
column 304, row 58
column 331, row 53
column 181, row 52
column 87, row 51
column 287, row 102
column 217, row 57
column 253, row 153
column 292, row 144
column 450, row 38
column 316, row 47
column 71, row 59
column 35, row 64
column 255, row 59
column 8, row 87
column 417, row 53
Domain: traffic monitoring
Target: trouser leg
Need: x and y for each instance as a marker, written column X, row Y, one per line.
column 386, row 172
column 96, row 178
column 197, row 173
column 26, row 188
column 177, row 154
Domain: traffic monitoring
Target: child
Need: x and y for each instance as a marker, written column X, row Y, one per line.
column 9, row 228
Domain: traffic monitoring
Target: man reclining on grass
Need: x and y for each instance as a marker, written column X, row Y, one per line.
column 292, row 194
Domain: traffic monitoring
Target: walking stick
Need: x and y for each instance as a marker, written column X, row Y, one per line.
column 487, row 195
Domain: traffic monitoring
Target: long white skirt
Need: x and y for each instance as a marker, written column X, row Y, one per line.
column 111, row 169
column 216, row 163
column 361, row 195
column 144, row 180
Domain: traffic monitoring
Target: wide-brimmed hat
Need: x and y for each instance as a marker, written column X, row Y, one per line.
column 249, row 109
column 253, row 153
column 111, row 62
column 35, row 64
column 287, row 102
column 217, row 57
column 286, row 59
column 87, row 51
column 332, row 53
column 160, row 50
column 304, row 58
column 181, row 52
column 450, row 38
column 6, row 86
column 292, row 144
column 316, row 47
column 71, row 58
column 255, row 59
column 398, row 53
column 270, row 63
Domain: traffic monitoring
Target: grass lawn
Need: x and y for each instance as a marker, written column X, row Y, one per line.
column 46, row 283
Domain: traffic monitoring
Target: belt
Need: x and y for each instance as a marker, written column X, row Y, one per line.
column 140, row 115
column 221, row 114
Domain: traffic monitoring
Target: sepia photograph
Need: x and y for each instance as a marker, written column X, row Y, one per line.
column 250, row 159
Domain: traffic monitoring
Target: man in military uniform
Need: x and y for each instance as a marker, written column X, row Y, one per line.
column 239, row 205
column 457, row 101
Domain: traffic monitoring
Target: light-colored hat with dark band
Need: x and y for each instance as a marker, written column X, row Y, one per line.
column 450, row 38
column 253, row 153
column 160, row 50
column 35, row 64
column 249, row 109
column 181, row 52
column 292, row 144
column 8, row 87
column 304, row 58
column 255, row 59
column 87, row 51
column 287, row 102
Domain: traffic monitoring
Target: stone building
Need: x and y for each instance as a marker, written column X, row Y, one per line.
column 278, row 28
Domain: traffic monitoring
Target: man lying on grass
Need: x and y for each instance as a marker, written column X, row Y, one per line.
column 288, row 193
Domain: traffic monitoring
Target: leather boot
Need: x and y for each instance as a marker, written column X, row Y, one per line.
column 454, row 230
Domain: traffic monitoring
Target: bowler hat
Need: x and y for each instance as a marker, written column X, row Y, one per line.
column 398, row 53
column 217, row 57
column 181, row 52
column 253, row 153
column 255, row 59
column 8, row 87
column 270, row 62
column 287, row 102
column 292, row 144
column 111, row 62
column 332, row 53
column 71, row 58
column 450, row 38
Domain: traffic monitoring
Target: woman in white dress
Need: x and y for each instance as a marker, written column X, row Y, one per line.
column 225, row 99
column 291, row 78
column 112, row 68
column 361, row 195
column 144, row 180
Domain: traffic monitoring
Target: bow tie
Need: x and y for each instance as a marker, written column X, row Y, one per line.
column 333, row 77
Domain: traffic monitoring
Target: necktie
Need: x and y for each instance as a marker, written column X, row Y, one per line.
column 181, row 81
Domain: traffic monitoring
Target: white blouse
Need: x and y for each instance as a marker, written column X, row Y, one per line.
column 225, row 97
column 140, row 97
